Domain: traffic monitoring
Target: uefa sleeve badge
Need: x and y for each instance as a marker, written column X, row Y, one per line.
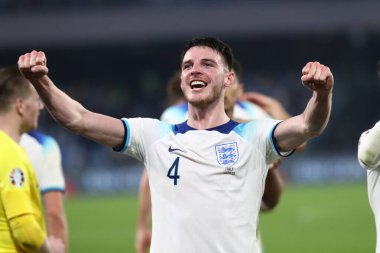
column 17, row 177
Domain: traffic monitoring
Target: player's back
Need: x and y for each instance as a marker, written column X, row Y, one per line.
column 18, row 189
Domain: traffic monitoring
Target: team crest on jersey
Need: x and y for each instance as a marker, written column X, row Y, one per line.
column 17, row 177
column 227, row 154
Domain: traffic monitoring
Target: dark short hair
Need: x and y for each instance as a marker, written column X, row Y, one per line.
column 12, row 86
column 213, row 43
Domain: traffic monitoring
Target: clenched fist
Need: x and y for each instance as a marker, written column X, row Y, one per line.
column 317, row 77
column 33, row 65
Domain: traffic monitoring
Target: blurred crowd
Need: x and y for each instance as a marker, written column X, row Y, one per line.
column 129, row 81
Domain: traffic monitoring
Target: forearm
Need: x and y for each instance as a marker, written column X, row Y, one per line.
column 144, row 202
column 57, row 227
column 297, row 130
column 55, row 216
column 369, row 148
column 317, row 114
column 68, row 112
column 273, row 189
column 73, row 116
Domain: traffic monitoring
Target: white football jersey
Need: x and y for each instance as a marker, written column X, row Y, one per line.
column 369, row 150
column 206, row 185
column 373, row 184
column 45, row 156
column 243, row 111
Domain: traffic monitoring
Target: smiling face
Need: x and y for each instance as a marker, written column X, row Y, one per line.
column 204, row 76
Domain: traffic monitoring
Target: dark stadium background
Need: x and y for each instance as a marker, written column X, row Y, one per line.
column 115, row 57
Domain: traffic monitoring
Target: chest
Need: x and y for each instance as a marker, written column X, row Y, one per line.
column 205, row 162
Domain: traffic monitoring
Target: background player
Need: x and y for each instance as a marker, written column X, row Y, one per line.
column 217, row 189
column 235, row 109
column 369, row 158
column 22, row 227
column 45, row 155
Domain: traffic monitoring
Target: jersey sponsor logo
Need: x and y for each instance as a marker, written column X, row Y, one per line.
column 175, row 149
column 17, row 177
column 227, row 154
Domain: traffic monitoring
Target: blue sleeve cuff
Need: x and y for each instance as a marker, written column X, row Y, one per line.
column 274, row 143
column 52, row 189
column 123, row 147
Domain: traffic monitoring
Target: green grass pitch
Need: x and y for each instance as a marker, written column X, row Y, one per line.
column 320, row 219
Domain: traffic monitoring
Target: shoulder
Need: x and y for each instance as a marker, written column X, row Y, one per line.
column 46, row 142
column 146, row 127
column 256, row 127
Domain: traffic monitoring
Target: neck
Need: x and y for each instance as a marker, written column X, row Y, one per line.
column 8, row 124
column 208, row 117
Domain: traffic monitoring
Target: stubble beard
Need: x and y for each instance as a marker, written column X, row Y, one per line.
column 215, row 95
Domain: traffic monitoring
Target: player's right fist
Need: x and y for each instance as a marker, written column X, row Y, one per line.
column 33, row 65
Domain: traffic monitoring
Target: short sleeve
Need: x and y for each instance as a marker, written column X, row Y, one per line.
column 15, row 191
column 140, row 134
column 51, row 176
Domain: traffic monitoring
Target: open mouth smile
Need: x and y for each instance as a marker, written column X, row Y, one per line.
column 197, row 85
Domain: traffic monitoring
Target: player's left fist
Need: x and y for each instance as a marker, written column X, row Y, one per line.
column 33, row 65
column 317, row 77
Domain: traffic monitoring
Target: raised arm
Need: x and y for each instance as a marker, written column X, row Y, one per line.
column 66, row 111
column 296, row 130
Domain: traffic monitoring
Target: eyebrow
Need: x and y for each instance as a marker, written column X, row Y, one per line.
column 185, row 62
column 202, row 60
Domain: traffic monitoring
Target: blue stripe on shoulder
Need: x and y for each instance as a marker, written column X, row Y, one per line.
column 40, row 137
column 165, row 128
column 246, row 130
column 46, row 141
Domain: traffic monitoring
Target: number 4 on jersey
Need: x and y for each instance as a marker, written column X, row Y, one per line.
column 173, row 171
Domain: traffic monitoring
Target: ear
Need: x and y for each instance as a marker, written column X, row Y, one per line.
column 229, row 79
column 19, row 106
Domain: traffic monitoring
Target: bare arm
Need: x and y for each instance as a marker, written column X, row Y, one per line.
column 55, row 216
column 143, row 233
column 66, row 111
column 273, row 187
column 296, row 130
